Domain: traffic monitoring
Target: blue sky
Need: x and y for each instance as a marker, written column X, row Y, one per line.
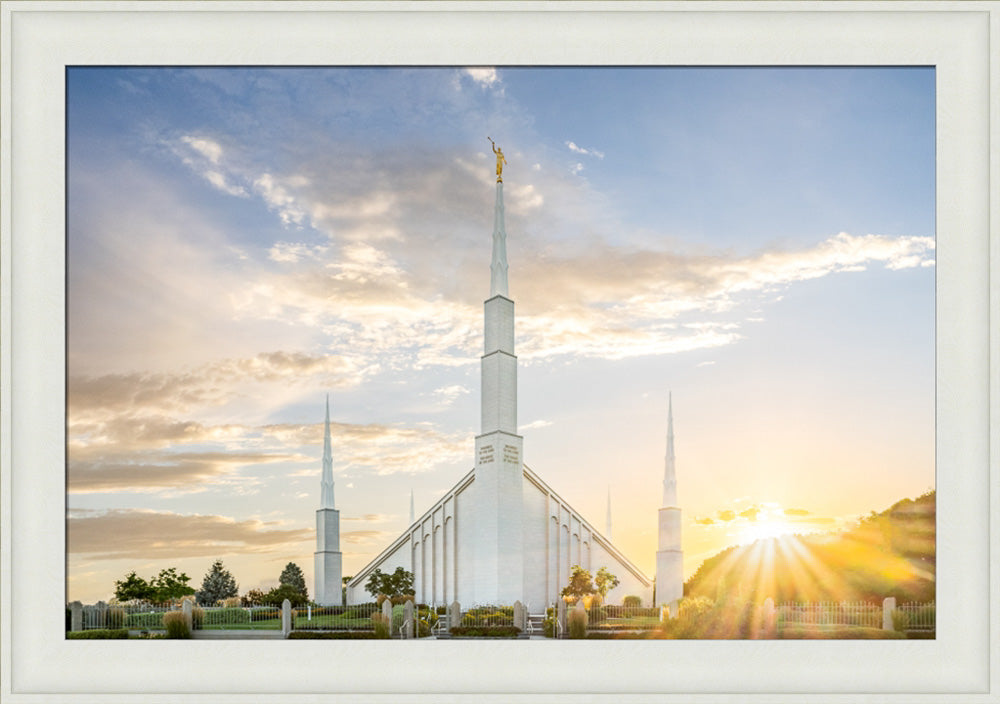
column 243, row 241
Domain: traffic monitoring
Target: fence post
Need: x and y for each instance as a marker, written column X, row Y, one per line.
column 188, row 610
column 561, row 617
column 454, row 615
column 76, row 616
column 769, row 617
column 409, row 626
column 286, row 618
column 888, row 606
column 664, row 613
column 519, row 616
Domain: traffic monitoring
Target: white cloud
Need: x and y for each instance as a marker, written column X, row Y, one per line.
column 536, row 424
column 294, row 252
column 576, row 168
column 219, row 181
column 450, row 393
column 279, row 198
column 204, row 157
column 206, row 147
column 573, row 147
column 485, row 76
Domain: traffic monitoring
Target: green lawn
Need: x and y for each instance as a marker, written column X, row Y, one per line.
column 333, row 623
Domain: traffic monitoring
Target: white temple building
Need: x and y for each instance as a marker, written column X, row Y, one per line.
column 500, row 534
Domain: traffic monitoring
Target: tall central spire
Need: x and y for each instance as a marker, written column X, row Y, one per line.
column 326, row 480
column 498, row 267
column 499, row 365
column 499, row 474
column 669, row 471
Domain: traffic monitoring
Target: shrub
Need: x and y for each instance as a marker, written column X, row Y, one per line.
column 900, row 620
column 232, row 602
column 632, row 600
column 99, row 633
column 441, row 610
column 334, row 635
column 577, row 623
column 176, row 625
column 423, row 628
column 402, row 599
column 381, row 626
column 484, row 631
column 381, row 598
column 549, row 627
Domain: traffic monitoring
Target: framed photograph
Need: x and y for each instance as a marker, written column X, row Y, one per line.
column 244, row 251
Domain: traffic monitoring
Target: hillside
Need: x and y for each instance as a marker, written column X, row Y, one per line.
column 891, row 553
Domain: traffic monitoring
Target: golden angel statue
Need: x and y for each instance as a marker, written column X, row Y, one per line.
column 500, row 160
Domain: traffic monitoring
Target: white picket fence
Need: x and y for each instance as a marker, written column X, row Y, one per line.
column 842, row 613
column 888, row 615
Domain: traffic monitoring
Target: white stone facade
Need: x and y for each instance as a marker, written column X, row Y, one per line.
column 440, row 548
column 328, row 560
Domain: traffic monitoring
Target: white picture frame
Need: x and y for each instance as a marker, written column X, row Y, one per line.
column 41, row 39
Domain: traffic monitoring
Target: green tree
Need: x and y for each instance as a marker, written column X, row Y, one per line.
column 217, row 584
column 292, row 576
column 133, row 587
column 254, row 597
column 276, row 596
column 396, row 584
column 170, row 585
column 605, row 582
column 580, row 584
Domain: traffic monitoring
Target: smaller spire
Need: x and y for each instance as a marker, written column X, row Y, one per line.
column 326, row 479
column 412, row 516
column 669, row 470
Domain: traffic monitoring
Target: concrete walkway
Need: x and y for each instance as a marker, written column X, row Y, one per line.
column 247, row 634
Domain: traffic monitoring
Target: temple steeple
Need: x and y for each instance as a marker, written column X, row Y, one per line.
column 328, row 560
column 669, row 470
column 498, row 266
column 499, row 365
column 499, row 473
column 669, row 556
column 326, row 480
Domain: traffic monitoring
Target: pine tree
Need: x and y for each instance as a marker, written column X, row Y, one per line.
column 293, row 577
column 218, row 584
